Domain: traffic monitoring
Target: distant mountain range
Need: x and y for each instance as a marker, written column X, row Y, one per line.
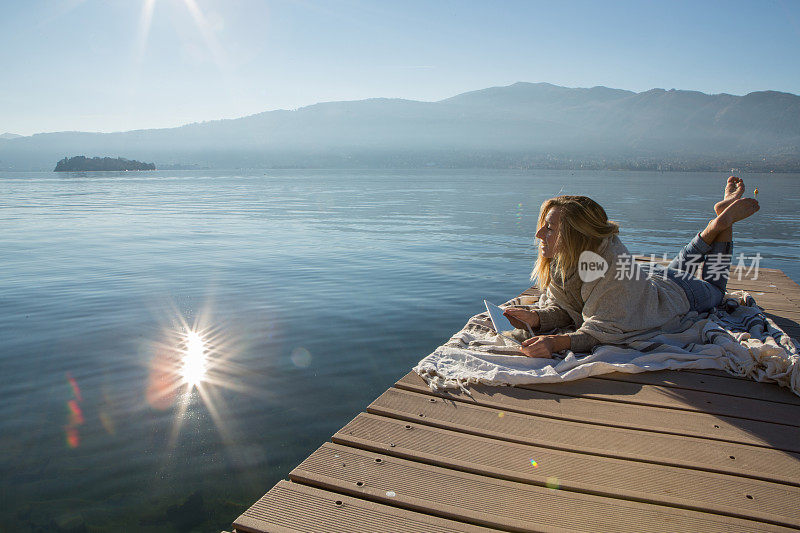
column 521, row 125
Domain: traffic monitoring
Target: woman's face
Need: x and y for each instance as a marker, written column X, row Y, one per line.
column 548, row 233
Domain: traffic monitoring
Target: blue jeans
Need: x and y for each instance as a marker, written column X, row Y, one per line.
column 706, row 292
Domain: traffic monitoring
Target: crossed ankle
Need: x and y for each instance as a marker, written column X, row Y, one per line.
column 720, row 223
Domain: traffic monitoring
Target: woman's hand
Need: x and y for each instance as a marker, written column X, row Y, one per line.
column 522, row 318
column 545, row 345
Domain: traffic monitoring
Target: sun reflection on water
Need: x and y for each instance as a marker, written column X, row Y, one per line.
column 193, row 366
column 189, row 369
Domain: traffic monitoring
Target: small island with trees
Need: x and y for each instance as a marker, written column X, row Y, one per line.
column 84, row 164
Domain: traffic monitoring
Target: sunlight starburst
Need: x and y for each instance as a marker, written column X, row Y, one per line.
column 144, row 28
column 193, row 368
column 205, row 28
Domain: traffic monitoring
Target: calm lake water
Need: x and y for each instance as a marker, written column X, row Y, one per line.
column 313, row 292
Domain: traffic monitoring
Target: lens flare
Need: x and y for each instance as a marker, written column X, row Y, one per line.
column 193, row 368
column 75, row 389
column 107, row 421
column 75, row 413
column 73, row 438
column 75, row 417
column 301, row 358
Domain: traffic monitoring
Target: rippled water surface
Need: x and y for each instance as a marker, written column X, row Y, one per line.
column 312, row 292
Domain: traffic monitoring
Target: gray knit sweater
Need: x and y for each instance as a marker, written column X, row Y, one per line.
column 623, row 305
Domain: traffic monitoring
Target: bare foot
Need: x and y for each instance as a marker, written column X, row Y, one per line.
column 734, row 189
column 739, row 208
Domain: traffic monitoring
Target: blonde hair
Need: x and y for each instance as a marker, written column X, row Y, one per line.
column 583, row 226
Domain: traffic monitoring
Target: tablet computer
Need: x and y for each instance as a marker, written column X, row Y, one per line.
column 501, row 324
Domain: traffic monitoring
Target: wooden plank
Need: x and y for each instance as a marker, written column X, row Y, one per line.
column 760, row 281
column 784, row 312
column 790, row 315
column 780, row 288
column 711, row 372
column 630, row 444
column 780, row 278
column 778, row 308
column 793, row 298
column 614, row 414
column 769, row 279
column 713, row 383
column 780, row 301
column 774, row 301
column 787, row 318
column 753, row 287
column 777, row 292
column 751, row 272
column 637, row 393
column 603, row 476
column 291, row 507
column 494, row 502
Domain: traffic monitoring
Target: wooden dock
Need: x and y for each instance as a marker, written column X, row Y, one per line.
column 661, row 451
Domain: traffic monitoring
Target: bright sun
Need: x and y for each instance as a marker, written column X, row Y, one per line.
column 194, row 360
column 203, row 26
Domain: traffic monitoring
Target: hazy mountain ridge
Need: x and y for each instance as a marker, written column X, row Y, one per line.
column 521, row 124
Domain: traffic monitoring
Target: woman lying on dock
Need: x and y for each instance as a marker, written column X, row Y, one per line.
column 616, row 299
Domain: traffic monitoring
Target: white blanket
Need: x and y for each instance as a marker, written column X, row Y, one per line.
column 739, row 339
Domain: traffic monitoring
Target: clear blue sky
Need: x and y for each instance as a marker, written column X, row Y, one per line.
column 113, row 65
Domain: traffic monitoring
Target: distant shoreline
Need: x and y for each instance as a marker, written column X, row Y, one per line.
column 442, row 169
